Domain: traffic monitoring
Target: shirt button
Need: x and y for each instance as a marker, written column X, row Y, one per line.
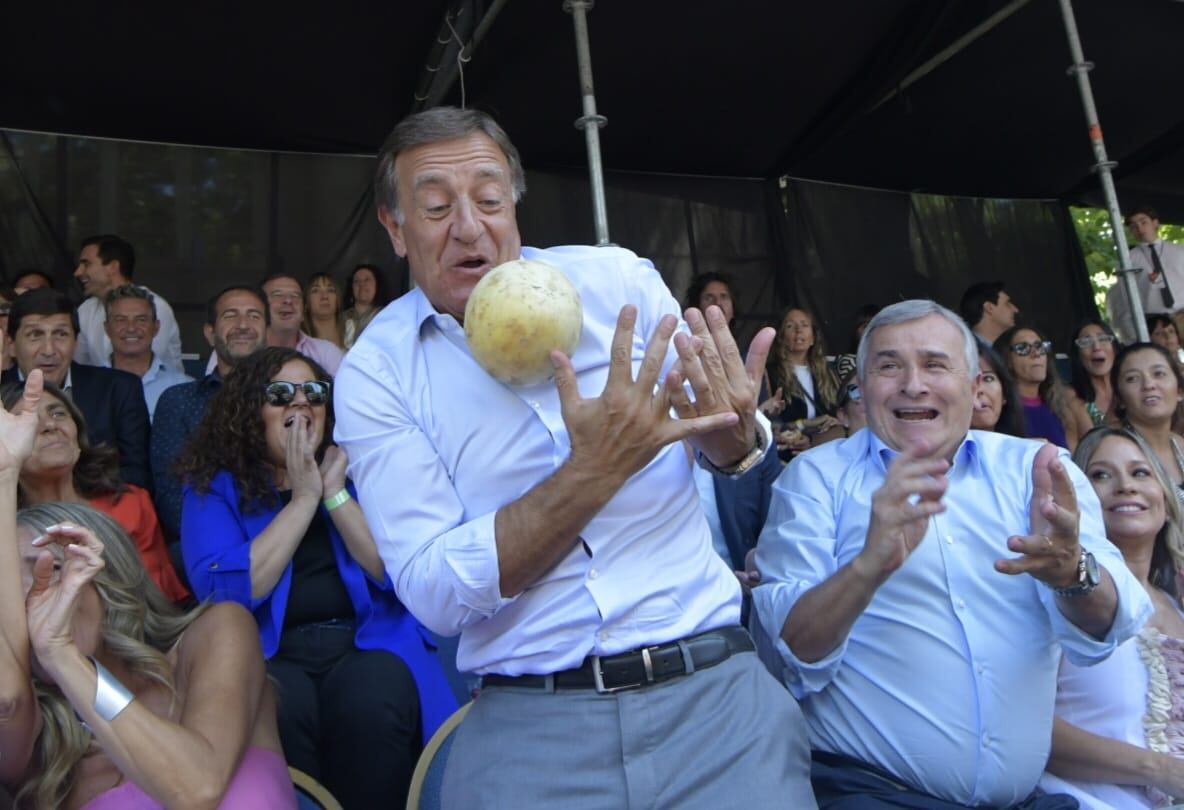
column 961, row 604
column 603, row 636
column 986, row 740
column 949, row 540
column 535, row 404
column 593, row 574
column 213, row 566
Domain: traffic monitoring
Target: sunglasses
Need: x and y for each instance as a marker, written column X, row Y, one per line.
column 1090, row 342
column 1040, row 347
column 281, row 393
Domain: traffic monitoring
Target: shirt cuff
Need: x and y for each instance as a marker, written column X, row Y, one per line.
column 772, row 603
column 471, row 556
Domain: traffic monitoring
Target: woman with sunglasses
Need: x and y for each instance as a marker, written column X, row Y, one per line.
column 1048, row 410
column 996, row 403
column 1148, row 389
column 1095, row 348
column 1116, row 734
column 270, row 521
column 851, row 411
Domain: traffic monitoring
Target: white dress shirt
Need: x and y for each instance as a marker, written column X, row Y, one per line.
column 94, row 347
column 1171, row 256
column 437, row 446
column 948, row 677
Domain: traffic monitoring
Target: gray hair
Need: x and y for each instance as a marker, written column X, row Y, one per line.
column 435, row 126
column 129, row 291
column 914, row 310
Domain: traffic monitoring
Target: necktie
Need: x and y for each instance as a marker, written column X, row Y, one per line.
column 1169, row 300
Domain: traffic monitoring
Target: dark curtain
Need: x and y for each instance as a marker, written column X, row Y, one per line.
column 28, row 239
column 852, row 246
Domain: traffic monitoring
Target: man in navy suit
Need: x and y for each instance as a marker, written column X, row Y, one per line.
column 43, row 327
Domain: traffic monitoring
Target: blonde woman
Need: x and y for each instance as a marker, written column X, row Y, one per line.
column 1118, row 737
column 117, row 699
column 804, row 389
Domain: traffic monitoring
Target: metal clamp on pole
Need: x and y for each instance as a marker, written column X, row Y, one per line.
column 590, row 122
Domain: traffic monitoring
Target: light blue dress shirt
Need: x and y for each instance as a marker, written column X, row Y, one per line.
column 948, row 678
column 437, row 446
column 156, row 380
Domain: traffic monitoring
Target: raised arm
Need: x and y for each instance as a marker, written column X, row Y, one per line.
column 912, row 492
column 184, row 763
column 347, row 517
column 19, row 718
column 612, row 437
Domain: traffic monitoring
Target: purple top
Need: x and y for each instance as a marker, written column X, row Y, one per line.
column 261, row 780
column 1041, row 423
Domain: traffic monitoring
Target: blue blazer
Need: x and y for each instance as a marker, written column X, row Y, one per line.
column 216, row 541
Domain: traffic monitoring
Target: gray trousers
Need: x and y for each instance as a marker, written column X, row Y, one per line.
column 727, row 736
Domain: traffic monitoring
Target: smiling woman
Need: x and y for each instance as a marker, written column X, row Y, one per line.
column 1148, row 389
column 1114, row 720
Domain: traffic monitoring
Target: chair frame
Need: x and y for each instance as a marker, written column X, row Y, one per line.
column 429, row 754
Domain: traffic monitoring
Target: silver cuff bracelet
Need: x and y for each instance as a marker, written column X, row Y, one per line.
column 111, row 697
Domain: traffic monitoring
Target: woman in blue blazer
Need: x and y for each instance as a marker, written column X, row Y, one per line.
column 270, row 521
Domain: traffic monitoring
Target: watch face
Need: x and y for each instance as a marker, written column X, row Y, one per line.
column 1092, row 575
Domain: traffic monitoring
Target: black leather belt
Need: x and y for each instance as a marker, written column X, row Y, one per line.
column 637, row 668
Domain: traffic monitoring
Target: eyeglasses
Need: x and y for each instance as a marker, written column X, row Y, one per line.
column 1099, row 340
column 5, row 309
column 852, row 394
column 1040, row 347
column 281, row 393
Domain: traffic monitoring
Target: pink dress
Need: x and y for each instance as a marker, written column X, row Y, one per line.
column 261, row 781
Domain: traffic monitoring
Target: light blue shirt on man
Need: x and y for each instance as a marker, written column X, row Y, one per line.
column 437, row 446
column 156, row 380
column 948, row 678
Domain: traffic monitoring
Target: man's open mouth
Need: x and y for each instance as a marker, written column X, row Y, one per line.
column 915, row 414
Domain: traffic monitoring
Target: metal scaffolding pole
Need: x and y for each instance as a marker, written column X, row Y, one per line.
column 1081, row 68
column 590, row 121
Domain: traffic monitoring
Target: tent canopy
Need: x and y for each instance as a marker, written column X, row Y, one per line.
column 745, row 89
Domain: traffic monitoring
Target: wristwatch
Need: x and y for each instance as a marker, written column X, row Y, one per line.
column 1088, row 577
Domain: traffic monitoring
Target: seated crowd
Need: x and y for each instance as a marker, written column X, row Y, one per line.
column 191, row 550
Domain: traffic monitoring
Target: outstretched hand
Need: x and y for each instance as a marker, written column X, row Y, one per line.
column 59, row 576
column 912, row 493
column 18, row 429
column 619, row 432
column 1052, row 551
column 722, row 382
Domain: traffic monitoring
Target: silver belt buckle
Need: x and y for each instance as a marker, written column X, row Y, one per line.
column 598, row 676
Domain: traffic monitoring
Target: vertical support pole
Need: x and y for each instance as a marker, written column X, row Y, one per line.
column 1081, row 68
column 590, row 121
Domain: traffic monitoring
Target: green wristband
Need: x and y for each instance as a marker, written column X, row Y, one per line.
column 337, row 500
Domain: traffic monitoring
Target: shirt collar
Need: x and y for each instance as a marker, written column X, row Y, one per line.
column 968, row 455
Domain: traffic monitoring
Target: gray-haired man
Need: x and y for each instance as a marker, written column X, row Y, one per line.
column 920, row 580
column 131, row 325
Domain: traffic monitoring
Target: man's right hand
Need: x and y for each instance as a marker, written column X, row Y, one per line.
column 901, row 508
column 617, row 433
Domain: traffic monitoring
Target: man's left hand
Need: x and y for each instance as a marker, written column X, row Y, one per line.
column 1051, row 553
column 722, row 382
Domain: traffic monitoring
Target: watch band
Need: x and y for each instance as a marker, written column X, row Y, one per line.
column 743, row 465
column 1087, row 578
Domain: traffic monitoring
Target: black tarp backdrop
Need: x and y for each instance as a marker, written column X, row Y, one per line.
column 749, row 88
column 205, row 218
column 852, row 246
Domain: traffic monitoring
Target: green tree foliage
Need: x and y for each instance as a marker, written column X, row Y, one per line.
column 1101, row 254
